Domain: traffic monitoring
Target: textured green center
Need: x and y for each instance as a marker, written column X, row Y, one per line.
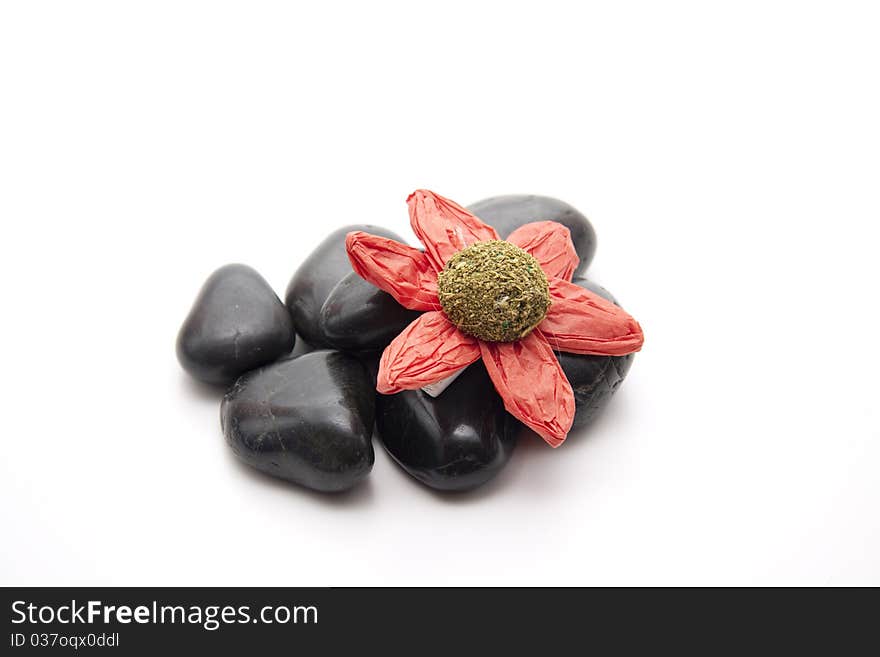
column 494, row 291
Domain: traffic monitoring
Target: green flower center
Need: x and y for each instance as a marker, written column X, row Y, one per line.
column 494, row 291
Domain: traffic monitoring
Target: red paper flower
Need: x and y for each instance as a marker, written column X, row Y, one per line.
column 526, row 373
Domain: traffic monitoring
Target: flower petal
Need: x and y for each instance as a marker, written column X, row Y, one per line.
column 443, row 226
column 402, row 271
column 428, row 350
column 581, row 322
column 532, row 384
column 550, row 244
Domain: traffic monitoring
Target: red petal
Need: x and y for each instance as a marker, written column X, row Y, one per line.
column 443, row 226
column 533, row 386
column 581, row 322
column 428, row 350
column 550, row 244
column 402, row 271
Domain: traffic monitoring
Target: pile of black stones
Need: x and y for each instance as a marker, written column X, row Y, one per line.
column 308, row 415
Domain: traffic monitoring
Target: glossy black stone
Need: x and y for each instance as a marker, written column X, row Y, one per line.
column 236, row 324
column 308, row 420
column 359, row 316
column 315, row 279
column 454, row 442
column 507, row 213
column 594, row 379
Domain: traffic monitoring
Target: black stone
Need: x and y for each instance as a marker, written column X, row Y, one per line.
column 308, row 420
column 507, row 213
column 236, row 324
column 315, row 279
column 454, row 442
column 594, row 379
column 370, row 359
column 359, row 316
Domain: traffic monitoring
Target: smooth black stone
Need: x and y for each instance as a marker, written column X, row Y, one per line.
column 507, row 213
column 594, row 379
column 236, row 324
column 454, row 442
column 370, row 360
column 315, row 279
column 359, row 316
column 308, row 420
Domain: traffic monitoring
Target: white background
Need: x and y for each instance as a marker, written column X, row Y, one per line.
column 727, row 155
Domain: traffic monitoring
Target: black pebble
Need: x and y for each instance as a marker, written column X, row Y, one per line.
column 359, row 316
column 236, row 324
column 594, row 379
column 315, row 279
column 308, row 420
column 507, row 213
column 455, row 442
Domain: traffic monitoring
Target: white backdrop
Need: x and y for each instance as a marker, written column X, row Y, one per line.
column 727, row 156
